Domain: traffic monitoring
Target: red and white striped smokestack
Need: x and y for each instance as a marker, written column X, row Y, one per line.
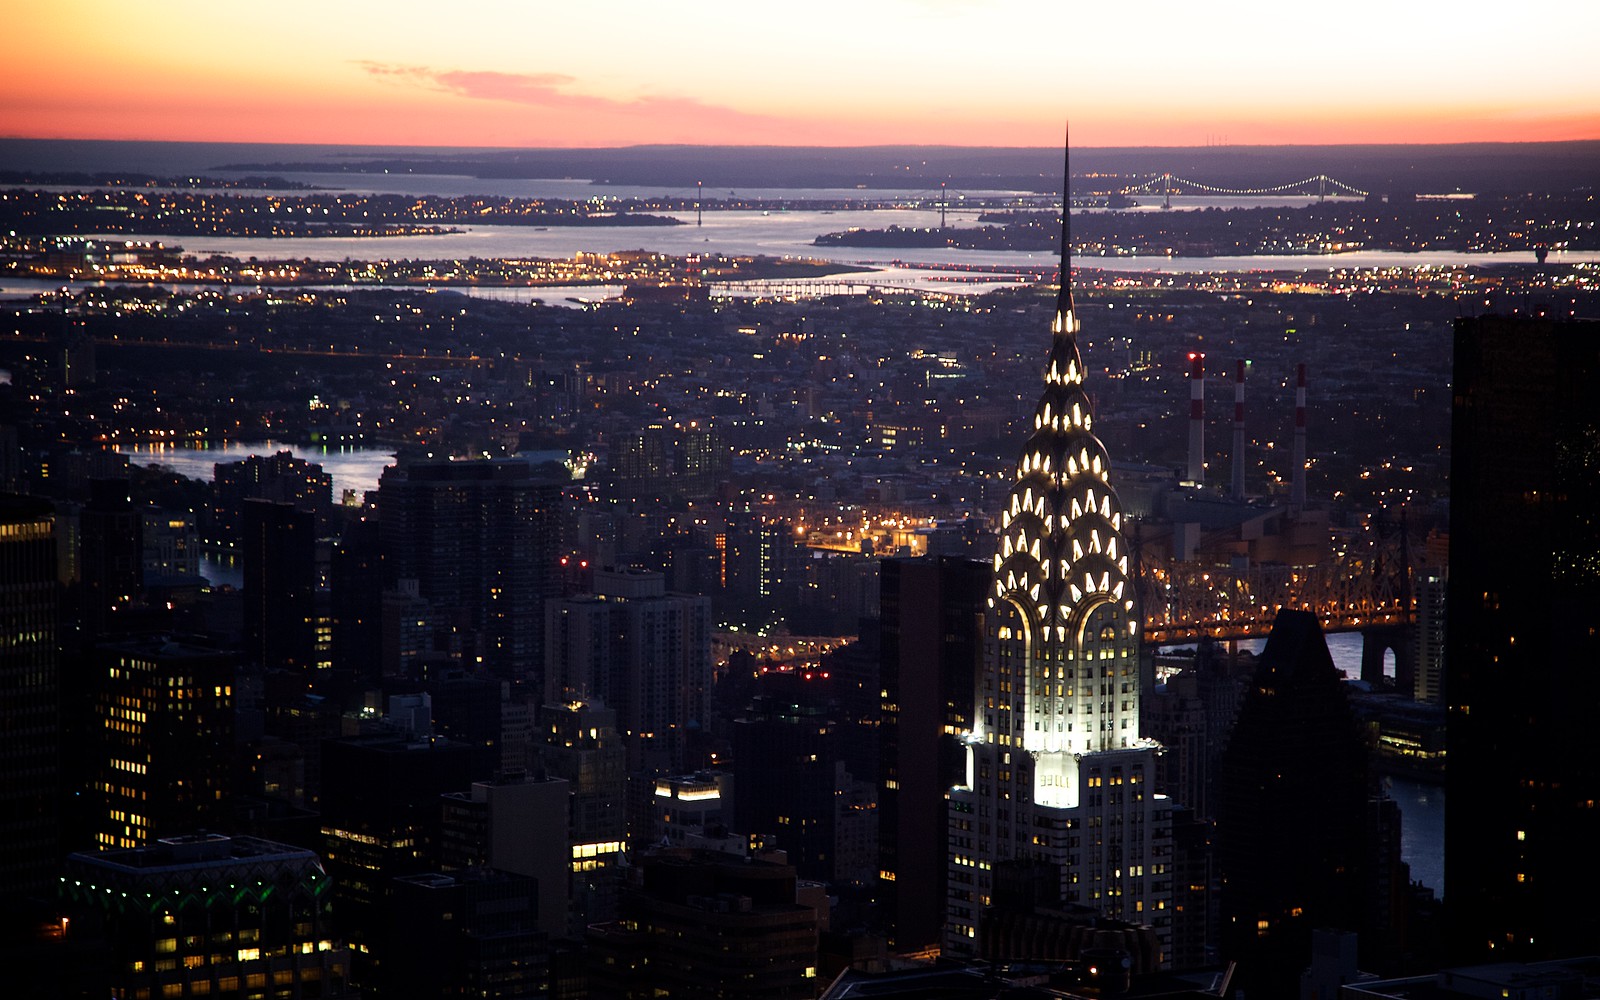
column 1197, row 418
column 1238, row 432
column 1297, row 488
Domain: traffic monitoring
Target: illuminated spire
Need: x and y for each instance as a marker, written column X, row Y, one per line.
column 1062, row 576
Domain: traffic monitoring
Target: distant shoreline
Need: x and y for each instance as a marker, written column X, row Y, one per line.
column 1473, row 166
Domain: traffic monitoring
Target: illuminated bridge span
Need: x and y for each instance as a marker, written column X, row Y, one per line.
column 1363, row 583
column 812, row 288
column 1320, row 185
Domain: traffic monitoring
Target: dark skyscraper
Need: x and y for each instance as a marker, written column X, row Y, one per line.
column 280, row 477
column 29, row 693
column 279, row 555
column 1292, row 808
column 1523, row 640
column 480, row 539
column 111, row 557
column 931, row 647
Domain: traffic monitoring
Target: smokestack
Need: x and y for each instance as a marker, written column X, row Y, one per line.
column 1297, row 488
column 1197, row 418
column 1238, row 432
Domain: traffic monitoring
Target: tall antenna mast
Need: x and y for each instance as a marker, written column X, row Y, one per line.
column 1064, row 298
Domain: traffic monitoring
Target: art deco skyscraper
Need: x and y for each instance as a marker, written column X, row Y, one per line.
column 1056, row 769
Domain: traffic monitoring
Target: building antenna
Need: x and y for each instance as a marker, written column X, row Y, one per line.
column 1064, row 297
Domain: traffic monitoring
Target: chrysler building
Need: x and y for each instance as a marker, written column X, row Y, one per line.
column 1056, row 769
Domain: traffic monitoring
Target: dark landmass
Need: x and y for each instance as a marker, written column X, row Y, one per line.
column 1476, row 167
column 1475, row 225
column 116, row 262
column 32, row 211
column 73, row 178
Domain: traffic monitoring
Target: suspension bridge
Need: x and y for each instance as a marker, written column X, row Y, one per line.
column 943, row 199
column 1317, row 185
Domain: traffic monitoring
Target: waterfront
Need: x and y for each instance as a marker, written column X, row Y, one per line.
column 784, row 234
column 355, row 469
column 1421, row 804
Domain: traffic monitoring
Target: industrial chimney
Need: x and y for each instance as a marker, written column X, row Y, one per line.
column 1197, row 418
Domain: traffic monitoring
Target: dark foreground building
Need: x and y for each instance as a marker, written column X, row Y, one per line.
column 1291, row 818
column 706, row 924
column 208, row 915
column 1523, row 641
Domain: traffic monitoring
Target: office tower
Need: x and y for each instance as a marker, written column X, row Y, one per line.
column 281, row 478
column 640, row 651
column 469, row 933
column 930, row 640
column 1431, row 586
column 578, row 742
column 760, row 559
column 681, row 810
column 639, row 464
column 788, row 768
column 1056, row 769
column 208, row 915
column 1523, row 639
column 514, row 824
column 30, row 678
column 381, row 819
column 110, row 558
column 480, row 538
column 1292, row 839
column 686, row 462
column 707, row 924
column 171, row 547
column 1191, row 716
column 162, row 760
column 703, row 460
column 278, row 550
column 356, row 581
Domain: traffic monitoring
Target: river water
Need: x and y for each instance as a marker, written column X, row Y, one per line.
column 784, row 234
column 776, row 234
column 1421, row 803
column 355, row 469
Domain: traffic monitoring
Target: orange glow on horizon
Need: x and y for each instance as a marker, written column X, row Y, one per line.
column 896, row 72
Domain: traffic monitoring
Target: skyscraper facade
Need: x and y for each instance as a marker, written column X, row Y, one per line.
column 164, row 719
column 637, row 649
column 1056, row 769
column 480, row 539
column 30, row 690
column 929, row 657
column 1523, row 640
column 279, row 556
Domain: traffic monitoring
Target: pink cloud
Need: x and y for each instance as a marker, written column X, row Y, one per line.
column 550, row 90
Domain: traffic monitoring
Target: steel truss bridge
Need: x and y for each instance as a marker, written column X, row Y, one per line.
column 1362, row 584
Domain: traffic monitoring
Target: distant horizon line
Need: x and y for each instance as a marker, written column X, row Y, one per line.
column 818, row 146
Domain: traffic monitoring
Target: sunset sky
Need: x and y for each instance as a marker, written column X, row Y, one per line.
column 823, row 72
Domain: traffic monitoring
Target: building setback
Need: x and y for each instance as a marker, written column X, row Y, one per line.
column 1056, row 769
